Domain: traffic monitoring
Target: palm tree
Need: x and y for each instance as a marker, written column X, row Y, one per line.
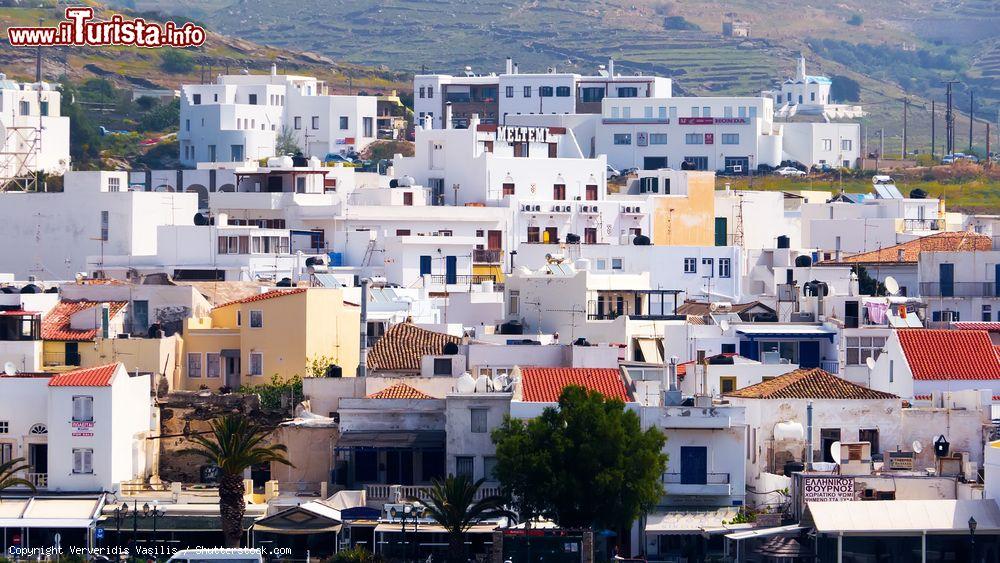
column 8, row 474
column 452, row 504
column 234, row 444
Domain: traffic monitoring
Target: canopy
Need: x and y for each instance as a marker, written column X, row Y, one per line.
column 392, row 439
column 765, row 532
column 682, row 522
column 880, row 517
column 650, row 348
column 41, row 512
column 774, row 330
column 432, row 528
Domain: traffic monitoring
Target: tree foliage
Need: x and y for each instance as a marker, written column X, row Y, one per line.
column 84, row 136
column 286, row 143
column 176, row 61
column 586, row 464
column 8, row 474
column 161, row 117
column 277, row 394
column 867, row 285
column 844, row 89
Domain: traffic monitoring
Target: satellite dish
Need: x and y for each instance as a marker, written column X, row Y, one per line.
column 482, row 384
column 891, row 285
column 870, row 362
column 835, row 451
column 917, row 447
column 465, row 383
column 500, row 383
column 9, row 368
column 724, row 325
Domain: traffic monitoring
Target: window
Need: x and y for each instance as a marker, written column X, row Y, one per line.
column 464, row 465
column 617, row 263
column 559, row 192
column 6, row 452
column 527, row 91
column 513, row 304
column 211, row 153
column 508, row 92
column 256, row 318
column 727, row 111
column 589, row 235
column 710, row 263
column 742, row 111
column 256, row 363
column 237, row 152
column 694, row 139
column 695, row 111
column 673, row 112
column 657, row 138
column 724, row 268
column 628, row 92
column 545, row 91
column 213, row 365
column 194, row 364
column 196, row 99
column 727, row 384
column 591, row 94
column 408, row 198
column 690, row 265
column 344, row 122
column 562, row 91
column 786, row 350
column 987, row 313
column 83, row 461
column 614, row 112
column 828, row 144
column 623, row 138
column 508, row 189
column 297, row 122
column 430, row 92
column 730, row 138
column 662, row 114
column 252, row 98
column 812, row 96
column 368, row 127
column 25, row 108
column 402, row 232
column 442, row 366
column 83, row 408
column 845, row 144
column 591, row 190
column 4, row 427
column 647, row 112
column 706, row 111
column 601, row 264
column 860, row 348
column 105, row 225
column 626, row 112
column 422, row 90
column 534, row 234
column 489, row 467
column 187, row 124
column 315, row 122
column 478, row 425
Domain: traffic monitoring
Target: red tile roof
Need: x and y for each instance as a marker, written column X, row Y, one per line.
column 100, row 376
column 266, row 295
column 403, row 345
column 949, row 354
column 909, row 252
column 399, row 391
column 56, row 324
column 812, row 383
column 544, row 385
column 977, row 325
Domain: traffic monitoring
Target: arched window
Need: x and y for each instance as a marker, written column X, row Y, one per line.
column 39, row 429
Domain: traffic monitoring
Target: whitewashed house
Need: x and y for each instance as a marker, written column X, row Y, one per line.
column 34, row 137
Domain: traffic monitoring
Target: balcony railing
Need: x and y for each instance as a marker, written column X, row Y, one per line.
column 384, row 493
column 959, row 289
column 710, row 479
column 830, row 366
column 922, row 224
column 467, row 279
column 39, row 480
column 487, row 256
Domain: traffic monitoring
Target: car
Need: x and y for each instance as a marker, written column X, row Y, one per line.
column 613, row 172
column 217, row 555
column 789, row 171
column 629, row 171
column 335, row 157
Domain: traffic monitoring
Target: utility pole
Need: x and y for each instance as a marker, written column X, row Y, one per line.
column 972, row 116
column 38, row 61
column 933, row 131
column 906, row 108
column 949, row 119
column 881, row 142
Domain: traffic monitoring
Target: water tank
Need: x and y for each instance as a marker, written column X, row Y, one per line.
column 465, row 383
column 803, row 261
column 450, row 349
column 572, row 238
column 315, row 261
column 280, row 162
column 793, row 467
column 221, row 220
column 284, row 282
column 581, row 264
column 333, row 370
column 816, row 288
column 918, row 194
column 202, row 219
column 394, row 183
column 641, row 240
column 31, row 288
column 720, row 360
column 581, row 342
column 512, row 327
column 8, row 289
column 299, row 161
column 784, row 242
column 406, row 182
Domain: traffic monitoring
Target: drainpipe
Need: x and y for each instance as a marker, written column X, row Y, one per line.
column 809, row 436
column 363, row 363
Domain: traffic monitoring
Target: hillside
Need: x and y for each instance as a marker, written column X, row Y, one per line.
column 136, row 67
column 906, row 46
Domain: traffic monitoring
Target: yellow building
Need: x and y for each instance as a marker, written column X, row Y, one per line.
column 71, row 326
column 685, row 214
column 279, row 332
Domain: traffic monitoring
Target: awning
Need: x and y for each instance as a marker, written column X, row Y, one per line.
column 41, row 512
column 765, row 532
column 392, row 439
column 774, row 330
column 651, row 350
column 683, row 522
column 880, row 517
column 431, row 528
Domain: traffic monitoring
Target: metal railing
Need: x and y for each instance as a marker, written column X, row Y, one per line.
column 830, row 366
column 487, row 255
column 385, row 493
column 467, row 279
column 922, row 224
column 710, row 479
column 959, row 289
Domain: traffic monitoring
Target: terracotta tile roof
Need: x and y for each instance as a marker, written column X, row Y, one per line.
column 100, row 376
column 808, row 384
column 950, row 241
column 404, row 344
column 399, row 391
column 949, row 354
column 56, row 324
column 544, row 385
column 699, row 308
column 977, row 325
column 219, row 292
column 266, row 295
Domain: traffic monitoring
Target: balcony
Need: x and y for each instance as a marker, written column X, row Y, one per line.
column 707, row 484
column 830, row 366
column 959, row 289
column 922, row 224
column 467, row 280
column 386, row 493
column 39, row 480
column 487, row 256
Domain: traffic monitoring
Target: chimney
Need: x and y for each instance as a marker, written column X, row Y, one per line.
column 274, row 69
column 672, row 395
column 515, row 68
column 611, row 68
column 809, row 436
column 510, row 66
column 447, row 115
column 474, row 121
column 428, row 123
column 363, row 364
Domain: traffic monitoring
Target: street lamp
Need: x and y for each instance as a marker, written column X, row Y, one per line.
column 972, row 535
column 121, row 513
column 407, row 509
column 155, row 513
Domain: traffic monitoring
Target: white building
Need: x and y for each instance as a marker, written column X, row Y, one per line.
column 821, row 144
column 86, row 430
column 809, row 95
column 33, row 136
column 51, row 235
column 960, row 286
column 496, row 98
column 239, row 118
